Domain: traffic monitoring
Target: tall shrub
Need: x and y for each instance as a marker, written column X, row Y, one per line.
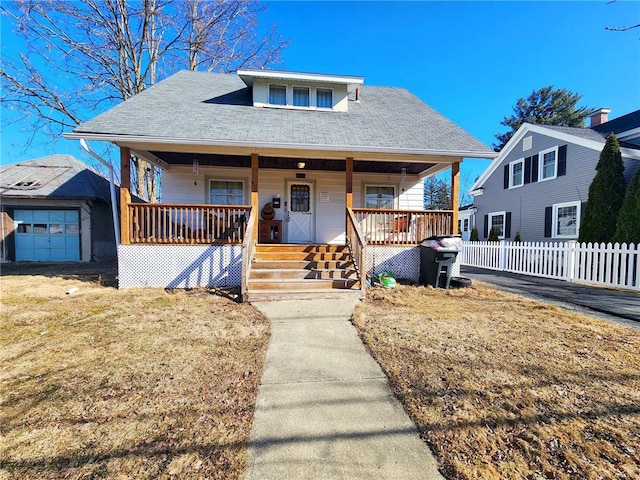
column 606, row 194
column 628, row 224
column 493, row 235
column 474, row 235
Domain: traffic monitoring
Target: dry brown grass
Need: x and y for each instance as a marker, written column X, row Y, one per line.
column 503, row 387
column 104, row 383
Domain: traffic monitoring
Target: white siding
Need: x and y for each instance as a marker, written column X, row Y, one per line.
column 329, row 192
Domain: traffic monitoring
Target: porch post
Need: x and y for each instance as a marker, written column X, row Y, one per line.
column 125, row 195
column 455, row 194
column 254, row 193
column 349, row 187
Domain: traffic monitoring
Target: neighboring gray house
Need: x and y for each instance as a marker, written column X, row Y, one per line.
column 342, row 165
column 55, row 209
column 539, row 184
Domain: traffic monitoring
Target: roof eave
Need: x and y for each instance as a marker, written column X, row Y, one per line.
column 258, row 147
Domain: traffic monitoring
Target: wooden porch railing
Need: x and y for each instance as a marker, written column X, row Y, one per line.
column 164, row 223
column 402, row 227
column 356, row 244
column 248, row 252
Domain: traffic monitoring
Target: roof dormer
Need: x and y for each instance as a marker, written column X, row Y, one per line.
column 300, row 91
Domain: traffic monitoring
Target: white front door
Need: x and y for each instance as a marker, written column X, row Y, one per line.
column 300, row 218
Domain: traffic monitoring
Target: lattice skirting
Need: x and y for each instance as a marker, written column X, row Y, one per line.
column 402, row 262
column 179, row 266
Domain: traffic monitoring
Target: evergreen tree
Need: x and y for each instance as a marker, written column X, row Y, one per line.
column 437, row 194
column 493, row 235
column 547, row 106
column 606, row 194
column 474, row 235
column 628, row 224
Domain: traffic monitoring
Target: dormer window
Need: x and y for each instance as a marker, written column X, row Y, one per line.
column 300, row 96
column 277, row 95
column 324, row 98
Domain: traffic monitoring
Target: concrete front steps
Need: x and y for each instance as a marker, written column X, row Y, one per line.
column 302, row 271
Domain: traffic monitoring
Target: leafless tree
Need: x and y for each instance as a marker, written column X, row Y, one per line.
column 81, row 57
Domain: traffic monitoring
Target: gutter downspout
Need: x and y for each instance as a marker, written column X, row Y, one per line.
column 112, row 190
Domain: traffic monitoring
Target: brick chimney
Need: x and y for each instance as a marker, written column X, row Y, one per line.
column 599, row 117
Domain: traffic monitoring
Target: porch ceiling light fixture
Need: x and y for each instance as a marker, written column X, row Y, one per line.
column 301, row 164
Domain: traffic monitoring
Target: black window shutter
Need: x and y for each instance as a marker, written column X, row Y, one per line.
column 527, row 170
column 507, row 225
column 562, row 160
column 548, row 219
column 534, row 168
column 486, row 226
column 506, row 176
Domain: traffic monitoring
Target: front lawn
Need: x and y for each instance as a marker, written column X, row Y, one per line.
column 102, row 383
column 504, row 387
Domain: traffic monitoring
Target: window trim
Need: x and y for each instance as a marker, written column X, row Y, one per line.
column 511, row 167
column 286, row 95
column 329, row 89
column 502, row 214
column 395, row 193
column 242, row 180
column 541, row 177
column 554, row 218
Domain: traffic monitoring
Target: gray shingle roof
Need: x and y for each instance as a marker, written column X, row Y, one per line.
column 585, row 133
column 52, row 177
column 218, row 107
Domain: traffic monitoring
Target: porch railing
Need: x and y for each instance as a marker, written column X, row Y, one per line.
column 248, row 252
column 356, row 244
column 164, row 223
column 402, row 227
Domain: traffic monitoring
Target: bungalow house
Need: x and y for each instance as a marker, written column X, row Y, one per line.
column 339, row 164
column 55, row 209
column 539, row 184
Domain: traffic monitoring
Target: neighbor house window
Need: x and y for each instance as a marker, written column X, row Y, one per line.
column 277, row 95
column 566, row 219
column 516, row 176
column 548, row 164
column 379, row 196
column 324, row 98
column 466, row 225
column 496, row 220
column 300, row 96
column 226, row 192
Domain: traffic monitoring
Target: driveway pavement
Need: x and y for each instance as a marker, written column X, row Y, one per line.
column 621, row 306
column 325, row 409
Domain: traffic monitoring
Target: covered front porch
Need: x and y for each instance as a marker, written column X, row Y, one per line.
column 337, row 205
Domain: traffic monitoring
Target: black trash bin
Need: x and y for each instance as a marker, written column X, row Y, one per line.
column 437, row 255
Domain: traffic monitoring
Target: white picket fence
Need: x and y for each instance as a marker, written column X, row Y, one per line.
column 606, row 264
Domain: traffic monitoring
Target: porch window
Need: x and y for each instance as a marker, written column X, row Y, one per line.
column 380, row 196
column 516, row 179
column 496, row 220
column 566, row 219
column 226, row 192
column 548, row 164
column 300, row 96
column 277, row 95
column 324, row 98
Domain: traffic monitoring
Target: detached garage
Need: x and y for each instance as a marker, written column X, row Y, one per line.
column 54, row 209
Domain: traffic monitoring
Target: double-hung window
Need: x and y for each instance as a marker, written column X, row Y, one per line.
column 548, row 164
column 300, row 96
column 226, row 192
column 324, row 98
column 497, row 221
column 379, row 196
column 566, row 220
column 516, row 173
column 277, row 95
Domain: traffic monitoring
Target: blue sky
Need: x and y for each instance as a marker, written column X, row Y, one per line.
column 470, row 60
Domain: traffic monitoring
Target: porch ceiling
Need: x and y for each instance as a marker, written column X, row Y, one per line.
column 218, row 160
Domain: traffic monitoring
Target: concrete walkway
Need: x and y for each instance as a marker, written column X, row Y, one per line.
column 324, row 409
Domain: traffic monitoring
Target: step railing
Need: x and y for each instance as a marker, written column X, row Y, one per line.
column 356, row 244
column 248, row 253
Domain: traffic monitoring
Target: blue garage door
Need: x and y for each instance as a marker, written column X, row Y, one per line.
column 47, row 235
